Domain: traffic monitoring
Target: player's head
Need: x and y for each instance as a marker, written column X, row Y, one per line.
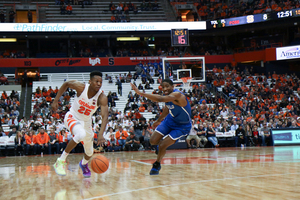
column 167, row 86
column 95, row 80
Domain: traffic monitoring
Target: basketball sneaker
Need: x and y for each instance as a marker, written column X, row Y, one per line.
column 60, row 167
column 85, row 170
column 155, row 169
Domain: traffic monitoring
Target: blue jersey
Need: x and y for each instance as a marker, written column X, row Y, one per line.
column 178, row 114
column 155, row 64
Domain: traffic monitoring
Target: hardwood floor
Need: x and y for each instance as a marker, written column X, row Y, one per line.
column 225, row 173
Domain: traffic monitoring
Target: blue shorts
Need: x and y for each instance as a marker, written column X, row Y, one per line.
column 172, row 129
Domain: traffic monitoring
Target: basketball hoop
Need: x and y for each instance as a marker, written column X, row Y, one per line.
column 186, row 82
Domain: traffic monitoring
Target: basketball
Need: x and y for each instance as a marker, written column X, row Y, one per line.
column 99, row 164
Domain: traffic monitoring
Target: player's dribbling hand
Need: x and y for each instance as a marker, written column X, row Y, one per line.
column 54, row 105
column 155, row 124
column 101, row 141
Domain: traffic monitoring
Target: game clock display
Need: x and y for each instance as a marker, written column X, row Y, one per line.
column 250, row 19
column 180, row 37
column 287, row 14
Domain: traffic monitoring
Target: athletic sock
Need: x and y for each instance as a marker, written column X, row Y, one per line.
column 63, row 156
column 84, row 161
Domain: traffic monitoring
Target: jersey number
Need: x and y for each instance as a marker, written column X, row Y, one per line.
column 84, row 111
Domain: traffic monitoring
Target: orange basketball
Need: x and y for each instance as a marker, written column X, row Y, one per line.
column 99, row 164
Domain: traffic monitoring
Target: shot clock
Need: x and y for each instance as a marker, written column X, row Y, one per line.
column 180, row 37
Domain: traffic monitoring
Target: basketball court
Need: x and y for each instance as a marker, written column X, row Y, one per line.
column 225, row 173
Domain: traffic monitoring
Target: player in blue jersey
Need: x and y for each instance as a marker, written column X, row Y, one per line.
column 173, row 123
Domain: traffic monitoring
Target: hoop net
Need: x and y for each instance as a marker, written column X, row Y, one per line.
column 186, row 81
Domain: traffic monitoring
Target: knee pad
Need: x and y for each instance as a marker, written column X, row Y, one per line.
column 79, row 133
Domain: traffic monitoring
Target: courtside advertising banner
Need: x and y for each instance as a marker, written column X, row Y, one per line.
column 101, row 61
column 285, row 53
column 286, row 136
column 100, row 27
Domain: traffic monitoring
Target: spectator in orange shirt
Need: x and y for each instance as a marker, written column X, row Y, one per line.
column 48, row 99
column 45, row 93
column 142, row 108
column 233, row 63
column 56, row 90
column 137, row 114
column 112, row 19
column 31, row 142
column 50, row 90
column 55, row 115
column 126, row 9
column 37, row 94
column 223, row 14
column 121, row 136
column 69, row 9
column 42, row 139
column 67, row 99
column 4, row 95
column 215, row 69
column 289, row 107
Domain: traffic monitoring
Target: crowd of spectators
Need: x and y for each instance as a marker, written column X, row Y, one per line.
column 66, row 9
column 262, row 102
column 74, row 2
column 12, row 54
column 212, row 10
column 208, row 10
column 121, row 11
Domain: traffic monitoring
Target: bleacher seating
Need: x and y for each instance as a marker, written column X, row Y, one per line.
column 98, row 12
column 57, row 79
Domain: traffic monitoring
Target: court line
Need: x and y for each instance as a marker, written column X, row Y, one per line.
column 192, row 182
column 144, row 163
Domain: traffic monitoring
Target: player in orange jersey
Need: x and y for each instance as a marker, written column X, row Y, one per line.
column 79, row 119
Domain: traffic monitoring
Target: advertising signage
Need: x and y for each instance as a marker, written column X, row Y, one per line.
column 286, row 53
column 286, row 136
column 100, row 27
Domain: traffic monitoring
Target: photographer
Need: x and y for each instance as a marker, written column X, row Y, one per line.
column 132, row 143
column 147, row 132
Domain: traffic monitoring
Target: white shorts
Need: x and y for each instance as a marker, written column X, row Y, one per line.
column 70, row 121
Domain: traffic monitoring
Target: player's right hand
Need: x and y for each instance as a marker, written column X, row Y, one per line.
column 101, row 141
column 155, row 124
column 54, row 105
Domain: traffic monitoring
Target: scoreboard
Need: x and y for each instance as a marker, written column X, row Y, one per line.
column 180, row 37
column 249, row 19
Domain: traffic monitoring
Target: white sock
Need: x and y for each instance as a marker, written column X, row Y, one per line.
column 63, row 156
column 84, row 161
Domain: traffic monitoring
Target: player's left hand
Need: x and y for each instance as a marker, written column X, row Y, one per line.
column 101, row 140
column 135, row 88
